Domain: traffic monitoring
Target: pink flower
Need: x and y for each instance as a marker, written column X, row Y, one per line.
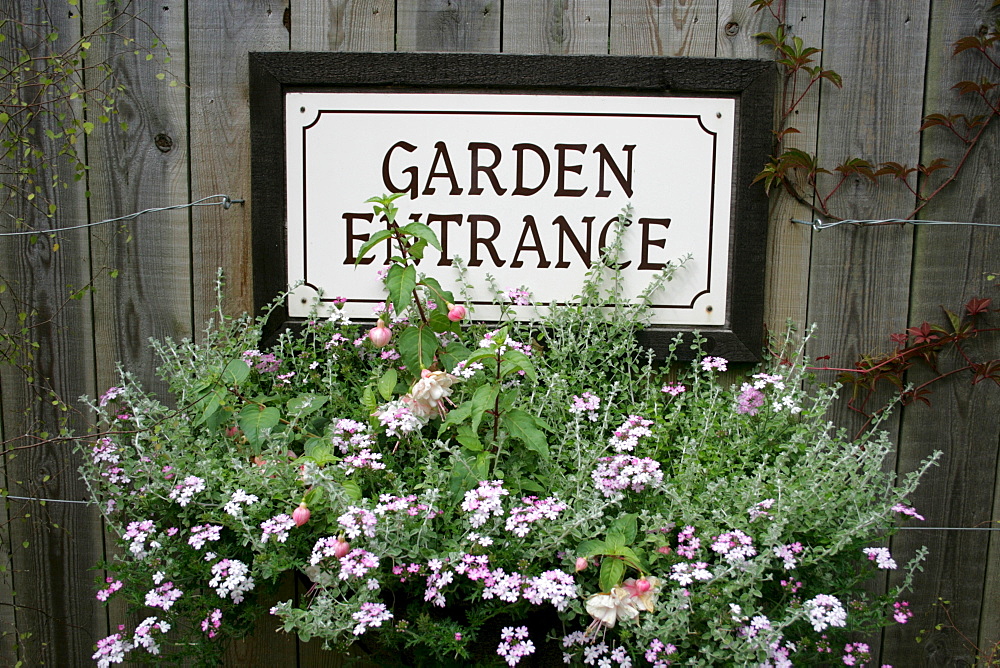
column 379, row 335
column 456, row 312
column 581, row 564
column 301, row 514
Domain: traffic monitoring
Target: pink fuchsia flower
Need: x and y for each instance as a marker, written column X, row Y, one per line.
column 456, row 312
column 644, row 591
column 379, row 335
column 581, row 564
column 301, row 514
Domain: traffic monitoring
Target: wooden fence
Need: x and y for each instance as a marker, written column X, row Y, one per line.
column 858, row 284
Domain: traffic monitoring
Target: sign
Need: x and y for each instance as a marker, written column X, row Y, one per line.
column 526, row 188
column 520, row 165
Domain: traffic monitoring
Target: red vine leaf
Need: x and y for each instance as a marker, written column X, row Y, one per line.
column 977, row 306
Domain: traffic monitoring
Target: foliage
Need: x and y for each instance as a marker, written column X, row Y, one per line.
column 58, row 85
column 481, row 493
column 797, row 172
column 924, row 345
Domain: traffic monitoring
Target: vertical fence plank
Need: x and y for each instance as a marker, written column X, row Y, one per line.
column 220, row 34
column 786, row 290
column 142, row 167
column 555, row 26
column 337, row 25
column 663, row 28
column 448, row 25
column 736, row 25
column 343, row 25
column 858, row 283
column 963, row 420
column 858, row 289
column 58, row 619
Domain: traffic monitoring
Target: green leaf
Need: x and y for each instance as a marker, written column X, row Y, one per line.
column 439, row 322
column 591, row 548
column 353, row 489
column 423, row 233
column 452, row 354
column 235, row 373
column 469, row 439
column 417, row 347
column 368, row 400
column 417, row 249
column 304, row 404
column 514, row 361
column 457, row 415
column 483, row 400
column 612, row 572
column 627, row 526
column 522, row 426
column 255, row 421
column 387, row 383
column 318, row 448
column 440, row 294
column 379, row 236
column 400, row 282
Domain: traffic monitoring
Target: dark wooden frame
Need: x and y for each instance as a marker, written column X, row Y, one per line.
column 750, row 82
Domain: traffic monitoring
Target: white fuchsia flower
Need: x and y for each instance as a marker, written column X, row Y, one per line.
column 427, row 396
column 607, row 609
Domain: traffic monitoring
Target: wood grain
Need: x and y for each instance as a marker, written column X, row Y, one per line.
column 555, row 26
column 448, row 25
column 859, row 287
column 963, row 420
column 220, row 34
column 663, row 28
column 53, row 550
column 786, row 291
column 343, row 25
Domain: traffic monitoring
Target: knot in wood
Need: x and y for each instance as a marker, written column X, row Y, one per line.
column 163, row 142
column 732, row 28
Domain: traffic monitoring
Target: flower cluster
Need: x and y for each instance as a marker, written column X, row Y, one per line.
column 561, row 477
column 520, row 519
column 627, row 436
column 617, row 474
column 370, row 615
column 484, row 501
column 588, row 404
column 514, row 644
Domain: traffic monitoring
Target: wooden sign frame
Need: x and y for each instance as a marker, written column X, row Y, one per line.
column 749, row 82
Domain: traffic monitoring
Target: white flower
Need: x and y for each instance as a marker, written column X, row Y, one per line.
column 608, row 608
column 426, row 397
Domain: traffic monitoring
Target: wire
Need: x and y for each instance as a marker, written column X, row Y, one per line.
column 225, row 202
column 822, row 225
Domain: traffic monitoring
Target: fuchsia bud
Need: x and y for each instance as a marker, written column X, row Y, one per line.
column 341, row 547
column 380, row 334
column 641, row 586
column 301, row 514
column 581, row 563
column 456, row 312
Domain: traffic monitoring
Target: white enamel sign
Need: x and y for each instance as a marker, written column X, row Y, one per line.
column 521, row 187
